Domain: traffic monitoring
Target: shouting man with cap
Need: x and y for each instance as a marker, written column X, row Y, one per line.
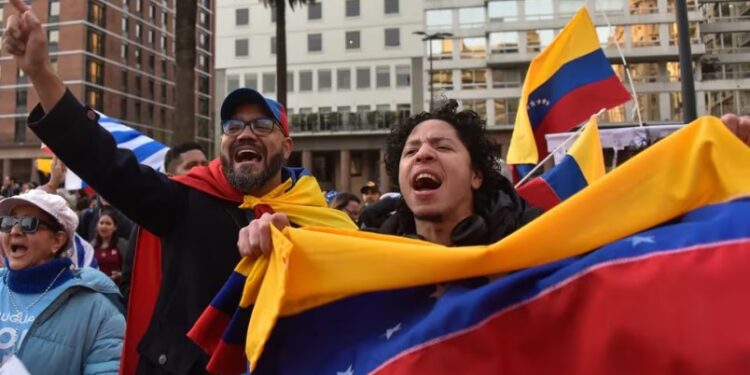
column 196, row 217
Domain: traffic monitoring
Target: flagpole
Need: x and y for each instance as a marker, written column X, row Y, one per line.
column 560, row 146
column 626, row 69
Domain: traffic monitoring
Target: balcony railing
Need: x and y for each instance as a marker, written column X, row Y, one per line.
column 347, row 122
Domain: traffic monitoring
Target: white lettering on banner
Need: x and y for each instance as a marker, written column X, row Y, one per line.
column 17, row 318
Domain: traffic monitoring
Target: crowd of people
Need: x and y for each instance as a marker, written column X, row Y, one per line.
column 202, row 216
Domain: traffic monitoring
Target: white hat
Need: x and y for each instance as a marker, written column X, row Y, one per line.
column 52, row 204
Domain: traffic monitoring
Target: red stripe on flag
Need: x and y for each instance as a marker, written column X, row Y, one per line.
column 539, row 193
column 209, row 329
column 578, row 106
column 677, row 312
column 229, row 359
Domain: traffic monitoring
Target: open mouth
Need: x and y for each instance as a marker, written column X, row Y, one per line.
column 247, row 154
column 426, row 181
column 17, row 249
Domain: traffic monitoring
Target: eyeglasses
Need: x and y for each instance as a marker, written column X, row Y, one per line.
column 29, row 224
column 259, row 126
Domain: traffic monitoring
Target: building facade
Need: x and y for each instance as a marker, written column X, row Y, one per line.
column 342, row 100
column 351, row 71
column 116, row 56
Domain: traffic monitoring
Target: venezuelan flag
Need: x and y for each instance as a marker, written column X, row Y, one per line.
column 342, row 301
column 583, row 165
column 566, row 83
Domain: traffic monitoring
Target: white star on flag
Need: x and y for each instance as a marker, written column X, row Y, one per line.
column 348, row 371
column 390, row 331
column 637, row 240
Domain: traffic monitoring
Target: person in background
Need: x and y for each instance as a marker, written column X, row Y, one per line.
column 181, row 158
column 63, row 321
column 348, row 203
column 10, row 187
column 108, row 246
column 370, row 193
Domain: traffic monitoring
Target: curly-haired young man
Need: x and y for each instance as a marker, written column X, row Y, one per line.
column 452, row 190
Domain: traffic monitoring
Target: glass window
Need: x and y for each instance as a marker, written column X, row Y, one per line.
column 645, row 35
column 305, row 80
column 21, row 98
column 324, row 80
column 693, row 32
column 95, row 72
column 125, row 25
column 96, row 13
column 314, row 42
column 124, row 52
column 20, row 132
column 352, row 40
column 441, row 49
column 673, row 71
column 269, row 82
column 504, row 42
column 644, row 72
column 164, row 19
column 649, row 104
column 363, row 78
column 352, row 8
column 96, row 42
column 392, row 37
column 314, row 10
column 610, row 5
column 403, row 76
column 505, row 111
column 241, row 47
column 473, row 79
column 53, row 39
column 242, row 16
column 643, row 7
column 503, row 11
column 137, row 57
column 391, row 6
column 383, row 76
column 536, row 40
column 94, row 98
column 471, row 17
column 538, row 9
column 675, row 106
column 504, row 78
column 273, row 45
column 442, row 79
column 289, row 82
column 343, row 79
column 151, row 37
column 477, row 105
column 569, row 7
column 439, row 19
column 473, row 48
column 251, row 80
column 54, row 10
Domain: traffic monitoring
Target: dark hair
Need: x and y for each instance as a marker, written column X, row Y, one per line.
column 115, row 236
column 471, row 130
column 343, row 199
column 176, row 152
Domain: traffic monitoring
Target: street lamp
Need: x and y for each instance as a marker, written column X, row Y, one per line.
column 429, row 38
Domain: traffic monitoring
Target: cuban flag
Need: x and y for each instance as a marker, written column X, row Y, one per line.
column 147, row 150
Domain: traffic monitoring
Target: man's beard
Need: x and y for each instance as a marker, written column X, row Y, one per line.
column 248, row 182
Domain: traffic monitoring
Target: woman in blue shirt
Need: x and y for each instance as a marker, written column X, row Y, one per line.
column 53, row 319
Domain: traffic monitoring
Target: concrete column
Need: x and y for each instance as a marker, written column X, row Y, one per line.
column 384, row 180
column 6, row 167
column 345, row 165
column 307, row 160
column 34, row 175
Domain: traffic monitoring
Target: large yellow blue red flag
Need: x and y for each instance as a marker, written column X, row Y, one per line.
column 581, row 166
column 663, row 290
column 565, row 84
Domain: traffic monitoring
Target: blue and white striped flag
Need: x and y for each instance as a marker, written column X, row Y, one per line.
column 147, row 150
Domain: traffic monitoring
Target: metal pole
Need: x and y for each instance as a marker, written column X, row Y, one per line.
column 686, row 64
column 429, row 43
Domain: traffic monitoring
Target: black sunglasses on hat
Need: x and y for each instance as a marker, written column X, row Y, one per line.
column 29, row 224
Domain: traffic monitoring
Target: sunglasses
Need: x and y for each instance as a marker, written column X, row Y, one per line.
column 259, row 126
column 29, row 224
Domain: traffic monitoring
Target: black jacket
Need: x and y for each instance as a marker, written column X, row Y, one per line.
column 198, row 231
column 505, row 213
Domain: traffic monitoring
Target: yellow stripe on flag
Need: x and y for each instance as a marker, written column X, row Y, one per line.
column 587, row 152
